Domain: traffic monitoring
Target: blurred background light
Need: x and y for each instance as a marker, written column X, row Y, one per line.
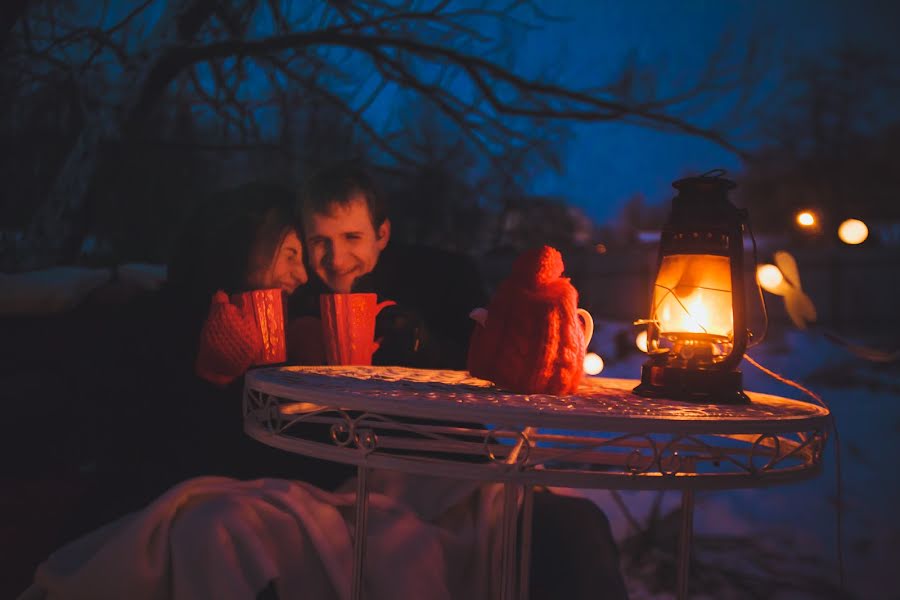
column 806, row 219
column 641, row 341
column 770, row 278
column 853, row 231
column 593, row 364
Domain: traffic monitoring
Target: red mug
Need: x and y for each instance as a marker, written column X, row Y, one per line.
column 348, row 327
column 267, row 311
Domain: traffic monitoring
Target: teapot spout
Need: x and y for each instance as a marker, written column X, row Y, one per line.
column 479, row 315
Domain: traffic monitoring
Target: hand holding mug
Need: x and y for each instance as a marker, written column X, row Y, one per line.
column 348, row 327
column 266, row 310
column 239, row 332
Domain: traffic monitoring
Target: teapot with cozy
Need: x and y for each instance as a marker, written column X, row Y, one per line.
column 532, row 336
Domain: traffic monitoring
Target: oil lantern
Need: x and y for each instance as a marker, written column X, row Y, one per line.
column 697, row 328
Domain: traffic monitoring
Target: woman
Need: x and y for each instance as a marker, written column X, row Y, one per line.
column 176, row 425
column 230, row 341
column 242, row 239
column 251, row 242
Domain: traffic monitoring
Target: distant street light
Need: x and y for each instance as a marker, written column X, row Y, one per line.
column 853, row 231
column 806, row 219
column 641, row 341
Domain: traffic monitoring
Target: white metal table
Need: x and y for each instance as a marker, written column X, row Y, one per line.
column 421, row 421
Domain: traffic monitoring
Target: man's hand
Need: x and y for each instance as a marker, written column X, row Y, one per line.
column 404, row 338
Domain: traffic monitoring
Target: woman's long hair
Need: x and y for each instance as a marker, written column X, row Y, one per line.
column 234, row 233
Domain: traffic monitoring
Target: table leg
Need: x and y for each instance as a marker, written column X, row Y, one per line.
column 525, row 558
column 684, row 543
column 359, row 542
column 508, row 541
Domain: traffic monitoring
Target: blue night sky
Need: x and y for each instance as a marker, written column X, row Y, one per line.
column 607, row 163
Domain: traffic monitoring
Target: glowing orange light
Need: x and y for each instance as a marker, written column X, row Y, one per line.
column 696, row 313
column 641, row 341
column 771, row 279
column 853, row 231
column 806, row 219
column 593, row 364
column 693, row 295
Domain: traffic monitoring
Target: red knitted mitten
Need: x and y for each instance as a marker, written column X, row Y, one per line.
column 532, row 341
column 229, row 342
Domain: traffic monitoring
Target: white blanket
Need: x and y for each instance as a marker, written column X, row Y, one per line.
column 215, row 537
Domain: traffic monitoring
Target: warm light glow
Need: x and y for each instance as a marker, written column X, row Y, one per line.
column 693, row 295
column 593, row 364
column 806, row 219
column 641, row 341
column 853, row 231
column 698, row 312
column 771, row 279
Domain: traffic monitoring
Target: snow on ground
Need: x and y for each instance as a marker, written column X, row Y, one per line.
column 795, row 525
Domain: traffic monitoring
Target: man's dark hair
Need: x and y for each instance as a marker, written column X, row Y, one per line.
column 337, row 184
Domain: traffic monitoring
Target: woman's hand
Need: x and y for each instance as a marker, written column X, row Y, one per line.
column 229, row 342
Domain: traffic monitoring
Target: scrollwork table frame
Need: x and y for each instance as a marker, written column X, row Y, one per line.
column 421, row 421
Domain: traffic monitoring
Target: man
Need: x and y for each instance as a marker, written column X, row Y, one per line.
column 347, row 232
column 346, row 225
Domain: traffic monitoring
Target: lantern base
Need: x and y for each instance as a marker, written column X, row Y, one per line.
column 691, row 385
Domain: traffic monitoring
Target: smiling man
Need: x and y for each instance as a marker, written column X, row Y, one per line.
column 345, row 225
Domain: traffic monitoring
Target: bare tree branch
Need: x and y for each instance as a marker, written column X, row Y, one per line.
column 545, row 98
column 346, row 55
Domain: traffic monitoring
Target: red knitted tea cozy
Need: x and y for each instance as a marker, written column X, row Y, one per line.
column 532, row 341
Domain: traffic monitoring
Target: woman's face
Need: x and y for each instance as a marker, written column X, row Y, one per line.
column 286, row 271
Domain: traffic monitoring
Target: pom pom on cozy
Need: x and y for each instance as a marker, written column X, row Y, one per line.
column 532, row 341
column 229, row 342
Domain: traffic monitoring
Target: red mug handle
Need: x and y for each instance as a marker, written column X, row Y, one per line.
column 378, row 308
column 382, row 305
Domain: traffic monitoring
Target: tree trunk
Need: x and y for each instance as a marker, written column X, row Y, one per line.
column 10, row 13
column 53, row 229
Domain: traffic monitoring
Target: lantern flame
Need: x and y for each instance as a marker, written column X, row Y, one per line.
column 693, row 296
column 696, row 313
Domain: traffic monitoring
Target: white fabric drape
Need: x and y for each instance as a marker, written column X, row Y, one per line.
column 221, row 538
